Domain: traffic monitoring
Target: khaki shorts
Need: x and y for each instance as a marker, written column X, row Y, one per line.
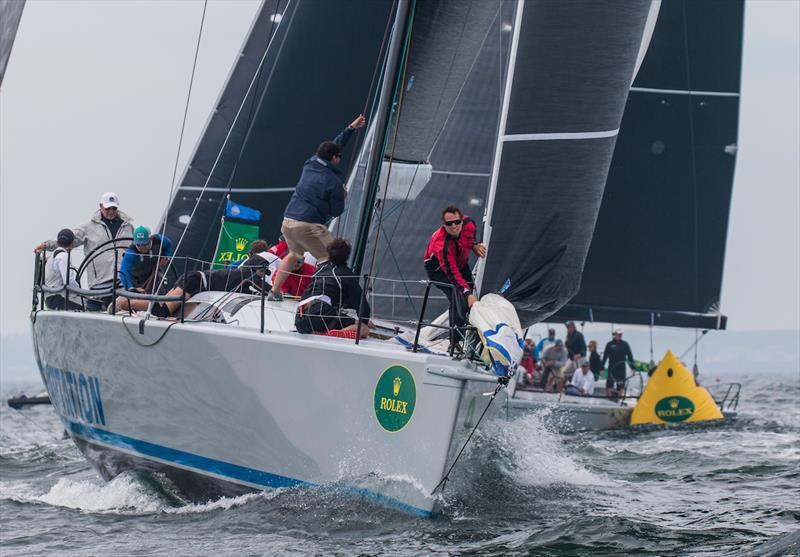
column 308, row 237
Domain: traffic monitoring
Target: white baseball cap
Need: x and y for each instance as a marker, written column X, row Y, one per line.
column 618, row 331
column 109, row 199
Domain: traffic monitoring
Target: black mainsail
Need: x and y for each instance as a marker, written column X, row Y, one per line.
column 305, row 69
column 569, row 79
column 658, row 250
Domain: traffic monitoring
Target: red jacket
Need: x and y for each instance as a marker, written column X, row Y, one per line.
column 295, row 284
column 452, row 254
column 280, row 249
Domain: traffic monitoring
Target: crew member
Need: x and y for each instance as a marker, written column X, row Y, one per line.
column 544, row 344
column 333, row 289
column 583, row 379
column 617, row 352
column 107, row 224
column 138, row 269
column 318, row 196
column 447, row 261
column 299, row 279
column 575, row 343
column 57, row 273
column 248, row 274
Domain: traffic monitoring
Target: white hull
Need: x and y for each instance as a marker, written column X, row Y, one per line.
column 249, row 409
column 567, row 413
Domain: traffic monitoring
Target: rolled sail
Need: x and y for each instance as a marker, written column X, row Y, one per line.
column 571, row 71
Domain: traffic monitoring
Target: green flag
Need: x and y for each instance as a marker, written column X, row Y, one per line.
column 641, row 367
column 234, row 242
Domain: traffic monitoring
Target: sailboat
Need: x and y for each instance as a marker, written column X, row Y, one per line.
column 657, row 251
column 507, row 108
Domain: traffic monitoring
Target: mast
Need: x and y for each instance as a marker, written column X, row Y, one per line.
column 384, row 111
column 498, row 151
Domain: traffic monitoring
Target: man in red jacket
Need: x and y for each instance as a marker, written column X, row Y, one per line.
column 301, row 273
column 447, row 261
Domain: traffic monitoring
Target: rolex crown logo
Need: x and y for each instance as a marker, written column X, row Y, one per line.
column 396, row 386
column 241, row 243
column 673, row 403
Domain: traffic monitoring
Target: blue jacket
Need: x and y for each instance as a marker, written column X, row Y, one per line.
column 319, row 194
column 136, row 267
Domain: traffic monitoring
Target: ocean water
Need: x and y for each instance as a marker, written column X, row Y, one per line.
column 520, row 489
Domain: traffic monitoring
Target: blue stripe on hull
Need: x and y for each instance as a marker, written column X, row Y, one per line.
column 220, row 468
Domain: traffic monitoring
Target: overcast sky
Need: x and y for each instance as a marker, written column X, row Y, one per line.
column 94, row 94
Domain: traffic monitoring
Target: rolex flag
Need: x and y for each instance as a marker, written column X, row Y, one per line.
column 239, row 229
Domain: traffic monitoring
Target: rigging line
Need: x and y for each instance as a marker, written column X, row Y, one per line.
column 134, row 339
column 402, row 206
column 180, row 138
column 685, row 352
column 464, row 83
column 376, row 68
column 400, row 98
column 218, row 214
column 378, row 62
column 443, row 482
column 399, row 271
column 344, row 217
column 450, row 72
column 224, row 143
column 34, row 424
column 694, row 161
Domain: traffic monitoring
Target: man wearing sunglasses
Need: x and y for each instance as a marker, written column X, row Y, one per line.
column 447, row 261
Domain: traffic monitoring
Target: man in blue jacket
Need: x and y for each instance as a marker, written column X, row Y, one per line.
column 317, row 198
column 138, row 269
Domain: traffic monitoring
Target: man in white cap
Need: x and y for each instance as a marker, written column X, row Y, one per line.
column 617, row 353
column 107, row 224
column 583, row 379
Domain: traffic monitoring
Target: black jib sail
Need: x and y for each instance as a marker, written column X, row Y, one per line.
column 570, row 74
column 305, row 70
column 658, row 250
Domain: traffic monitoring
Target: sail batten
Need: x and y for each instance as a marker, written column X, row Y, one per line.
column 559, row 135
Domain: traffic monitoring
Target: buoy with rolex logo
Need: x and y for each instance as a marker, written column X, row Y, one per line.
column 672, row 396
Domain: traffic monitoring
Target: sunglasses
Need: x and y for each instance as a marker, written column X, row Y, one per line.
column 452, row 222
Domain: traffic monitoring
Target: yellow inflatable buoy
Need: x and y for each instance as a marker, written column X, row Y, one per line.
column 672, row 396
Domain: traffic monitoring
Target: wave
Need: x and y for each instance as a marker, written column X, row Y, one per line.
column 126, row 494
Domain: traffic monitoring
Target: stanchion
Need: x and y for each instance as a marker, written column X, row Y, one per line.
column 421, row 317
column 66, row 283
column 263, row 295
column 183, row 290
column 116, row 277
column 361, row 308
